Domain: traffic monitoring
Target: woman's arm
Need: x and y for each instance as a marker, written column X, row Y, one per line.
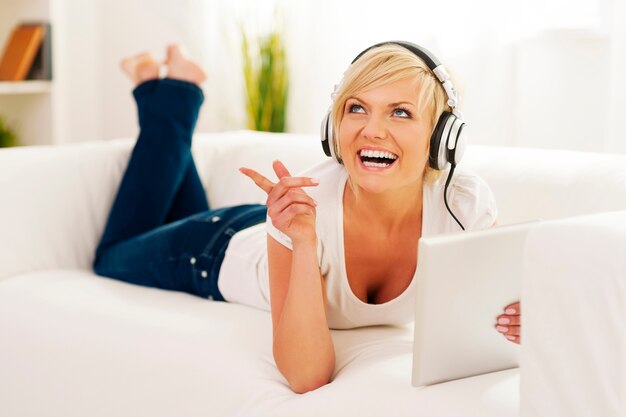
column 303, row 347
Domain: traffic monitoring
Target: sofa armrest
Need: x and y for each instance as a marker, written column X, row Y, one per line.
column 54, row 203
column 573, row 356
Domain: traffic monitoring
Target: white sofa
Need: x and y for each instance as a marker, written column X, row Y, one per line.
column 76, row 344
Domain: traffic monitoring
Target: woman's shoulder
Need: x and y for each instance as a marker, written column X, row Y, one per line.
column 470, row 198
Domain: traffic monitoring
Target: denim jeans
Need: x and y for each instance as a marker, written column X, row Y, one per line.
column 160, row 231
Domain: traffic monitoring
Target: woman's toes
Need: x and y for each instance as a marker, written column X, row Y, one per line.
column 174, row 53
column 127, row 65
column 182, row 68
column 140, row 67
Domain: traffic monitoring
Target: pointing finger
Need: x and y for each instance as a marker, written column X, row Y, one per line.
column 285, row 184
column 280, row 169
column 261, row 182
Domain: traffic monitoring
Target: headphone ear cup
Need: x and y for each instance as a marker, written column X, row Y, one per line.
column 437, row 157
column 456, row 142
column 325, row 135
column 447, row 143
column 328, row 138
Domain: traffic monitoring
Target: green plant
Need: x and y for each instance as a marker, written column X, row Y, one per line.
column 266, row 80
column 7, row 135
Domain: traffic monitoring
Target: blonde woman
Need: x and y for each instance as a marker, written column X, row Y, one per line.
column 340, row 241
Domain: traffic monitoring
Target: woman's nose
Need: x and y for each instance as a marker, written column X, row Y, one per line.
column 375, row 128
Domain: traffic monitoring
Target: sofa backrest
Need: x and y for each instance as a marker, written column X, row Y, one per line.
column 55, row 199
column 528, row 183
column 550, row 184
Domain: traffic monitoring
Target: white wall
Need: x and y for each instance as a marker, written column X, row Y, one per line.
column 617, row 78
column 562, row 91
column 95, row 37
column 521, row 87
column 77, row 70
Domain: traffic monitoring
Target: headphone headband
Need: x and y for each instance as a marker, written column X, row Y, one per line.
column 433, row 64
column 421, row 52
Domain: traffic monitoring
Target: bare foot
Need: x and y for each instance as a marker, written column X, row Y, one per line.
column 182, row 68
column 141, row 67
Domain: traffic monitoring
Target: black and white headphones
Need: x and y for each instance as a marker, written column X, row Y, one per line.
column 449, row 138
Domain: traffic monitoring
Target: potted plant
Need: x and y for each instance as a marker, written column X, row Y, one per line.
column 7, row 135
column 266, row 81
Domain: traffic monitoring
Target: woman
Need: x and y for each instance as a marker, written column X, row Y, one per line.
column 341, row 240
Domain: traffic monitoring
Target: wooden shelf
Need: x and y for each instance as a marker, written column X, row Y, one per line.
column 29, row 106
column 25, row 87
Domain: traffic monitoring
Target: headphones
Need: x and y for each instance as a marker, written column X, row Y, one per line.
column 449, row 138
column 447, row 143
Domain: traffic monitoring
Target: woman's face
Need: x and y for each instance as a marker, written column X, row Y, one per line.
column 383, row 138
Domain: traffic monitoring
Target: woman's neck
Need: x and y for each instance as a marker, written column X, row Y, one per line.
column 391, row 210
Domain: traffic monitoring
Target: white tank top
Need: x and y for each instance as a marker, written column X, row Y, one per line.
column 244, row 276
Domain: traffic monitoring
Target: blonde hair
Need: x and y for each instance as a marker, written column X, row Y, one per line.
column 383, row 65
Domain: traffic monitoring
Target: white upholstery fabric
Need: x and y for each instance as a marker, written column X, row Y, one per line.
column 549, row 184
column 574, row 312
column 75, row 344
column 54, row 203
column 82, row 345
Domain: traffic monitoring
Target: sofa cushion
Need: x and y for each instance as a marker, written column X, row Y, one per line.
column 76, row 344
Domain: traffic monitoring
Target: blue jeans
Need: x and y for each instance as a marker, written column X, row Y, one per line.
column 160, row 231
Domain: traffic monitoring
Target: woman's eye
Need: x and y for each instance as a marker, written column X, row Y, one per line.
column 401, row 113
column 355, row 108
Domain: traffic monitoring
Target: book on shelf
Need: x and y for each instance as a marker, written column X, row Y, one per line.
column 41, row 69
column 27, row 54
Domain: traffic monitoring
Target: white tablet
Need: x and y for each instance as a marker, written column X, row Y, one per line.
column 464, row 281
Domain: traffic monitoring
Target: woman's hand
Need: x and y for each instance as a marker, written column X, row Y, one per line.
column 292, row 211
column 510, row 323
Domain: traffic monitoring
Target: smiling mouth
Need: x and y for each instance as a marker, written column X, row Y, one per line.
column 377, row 159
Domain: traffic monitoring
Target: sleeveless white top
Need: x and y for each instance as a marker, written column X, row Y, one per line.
column 244, row 276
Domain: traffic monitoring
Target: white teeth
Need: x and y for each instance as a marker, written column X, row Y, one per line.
column 376, row 164
column 378, row 154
